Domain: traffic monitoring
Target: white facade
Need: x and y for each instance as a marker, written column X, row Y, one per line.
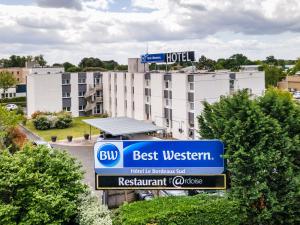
column 170, row 100
column 55, row 91
column 173, row 100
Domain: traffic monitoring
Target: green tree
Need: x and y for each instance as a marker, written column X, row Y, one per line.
column 259, row 166
column 68, row 65
column 40, row 60
column 39, row 186
column 273, row 75
column 281, row 106
column 7, row 80
column 206, row 64
column 91, row 62
column 8, row 120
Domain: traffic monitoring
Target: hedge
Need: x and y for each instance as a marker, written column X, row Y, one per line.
column 188, row 210
column 14, row 100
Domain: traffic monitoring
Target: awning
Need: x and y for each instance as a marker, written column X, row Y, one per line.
column 122, row 126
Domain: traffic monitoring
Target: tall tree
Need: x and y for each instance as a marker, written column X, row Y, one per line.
column 7, row 80
column 206, row 64
column 273, row 74
column 40, row 60
column 39, row 185
column 259, row 165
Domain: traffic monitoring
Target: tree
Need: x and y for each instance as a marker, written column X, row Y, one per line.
column 7, row 80
column 206, row 64
column 8, row 120
column 257, row 150
column 67, row 65
column 271, row 60
column 281, row 106
column 273, row 75
column 39, row 185
column 91, row 62
column 40, row 60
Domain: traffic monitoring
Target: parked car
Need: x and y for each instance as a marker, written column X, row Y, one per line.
column 144, row 195
column 166, row 193
column 296, row 95
column 11, row 107
column 111, row 137
column 41, row 143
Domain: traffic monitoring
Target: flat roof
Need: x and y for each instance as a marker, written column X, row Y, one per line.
column 122, row 125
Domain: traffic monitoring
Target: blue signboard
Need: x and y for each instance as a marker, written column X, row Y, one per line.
column 159, row 157
column 170, row 57
column 153, row 58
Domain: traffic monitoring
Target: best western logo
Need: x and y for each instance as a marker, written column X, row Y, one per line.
column 109, row 155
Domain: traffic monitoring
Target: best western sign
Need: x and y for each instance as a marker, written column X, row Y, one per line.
column 171, row 57
column 148, row 158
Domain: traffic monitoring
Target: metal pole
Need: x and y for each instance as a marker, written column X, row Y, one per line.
column 90, row 132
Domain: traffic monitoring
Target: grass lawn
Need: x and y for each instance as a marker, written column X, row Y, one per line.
column 78, row 129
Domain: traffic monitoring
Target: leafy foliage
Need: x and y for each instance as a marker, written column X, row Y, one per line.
column 46, row 120
column 7, row 80
column 258, row 150
column 273, row 74
column 42, row 123
column 8, row 120
column 92, row 212
column 39, row 186
column 196, row 210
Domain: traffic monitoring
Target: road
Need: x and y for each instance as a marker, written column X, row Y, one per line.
column 84, row 154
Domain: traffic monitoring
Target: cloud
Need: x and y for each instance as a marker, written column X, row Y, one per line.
column 213, row 27
column 71, row 4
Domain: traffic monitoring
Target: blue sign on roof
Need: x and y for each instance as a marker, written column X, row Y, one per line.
column 159, row 157
column 153, row 58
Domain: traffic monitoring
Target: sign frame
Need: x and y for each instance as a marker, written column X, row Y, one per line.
column 97, row 176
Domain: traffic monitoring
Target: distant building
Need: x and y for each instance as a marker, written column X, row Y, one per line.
column 291, row 83
column 172, row 100
column 19, row 73
column 51, row 89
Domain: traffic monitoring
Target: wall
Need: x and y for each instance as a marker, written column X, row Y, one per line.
column 44, row 93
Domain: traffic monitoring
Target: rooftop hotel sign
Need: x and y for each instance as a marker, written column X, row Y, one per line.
column 171, row 57
column 159, row 158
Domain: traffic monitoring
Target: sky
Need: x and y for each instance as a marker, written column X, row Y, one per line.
column 68, row 30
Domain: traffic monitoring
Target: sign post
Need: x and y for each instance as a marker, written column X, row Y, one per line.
column 191, row 164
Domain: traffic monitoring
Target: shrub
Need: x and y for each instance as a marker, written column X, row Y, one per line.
column 196, row 210
column 63, row 121
column 42, row 122
column 36, row 114
column 15, row 139
column 92, row 212
column 39, row 185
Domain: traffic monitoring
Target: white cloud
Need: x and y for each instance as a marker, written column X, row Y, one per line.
column 70, row 30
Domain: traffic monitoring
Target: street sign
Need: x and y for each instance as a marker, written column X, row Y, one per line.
column 214, row 182
column 159, row 157
column 171, row 57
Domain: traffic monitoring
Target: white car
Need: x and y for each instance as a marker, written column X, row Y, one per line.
column 11, row 107
column 42, row 143
column 296, row 95
column 166, row 193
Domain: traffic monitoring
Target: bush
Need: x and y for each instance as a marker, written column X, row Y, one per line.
column 63, row 121
column 14, row 100
column 42, row 122
column 92, row 212
column 39, row 186
column 197, row 210
column 15, row 139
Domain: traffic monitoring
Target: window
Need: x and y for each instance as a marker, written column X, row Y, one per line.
column 81, row 80
column 97, row 81
column 98, row 94
column 132, row 77
column 167, row 84
column 81, row 107
column 191, row 86
column 132, row 106
column 192, row 105
column 65, row 81
column 167, row 102
column 66, row 95
column 67, row 109
column 81, row 93
column 18, row 72
column 147, row 99
column 10, row 95
column 147, row 83
column 132, row 90
column 14, row 94
column 125, row 90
